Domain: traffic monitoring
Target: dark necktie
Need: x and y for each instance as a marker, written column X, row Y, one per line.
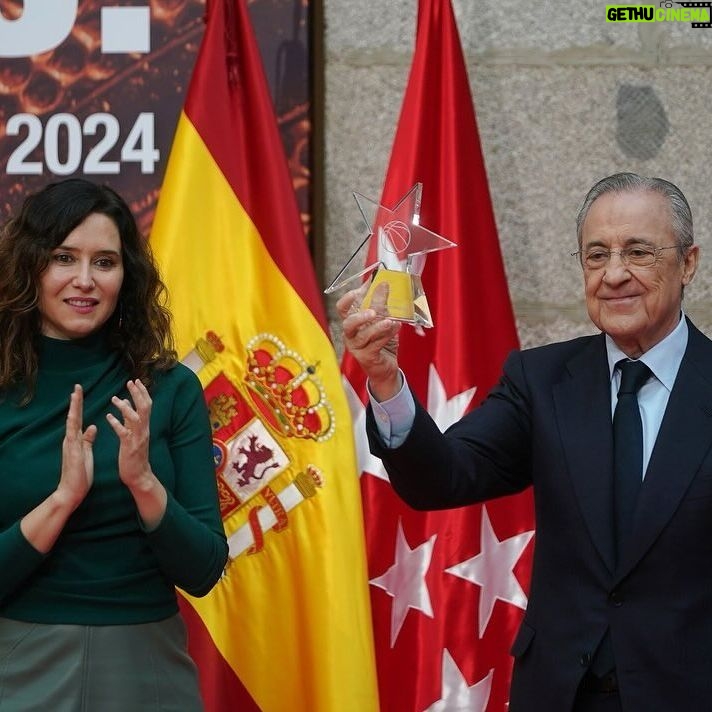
column 627, row 475
column 627, row 448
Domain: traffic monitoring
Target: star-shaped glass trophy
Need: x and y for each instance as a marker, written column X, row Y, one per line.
column 393, row 251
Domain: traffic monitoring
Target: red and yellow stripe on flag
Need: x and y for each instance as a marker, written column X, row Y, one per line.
column 288, row 626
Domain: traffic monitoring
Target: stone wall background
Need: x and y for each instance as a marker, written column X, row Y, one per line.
column 562, row 98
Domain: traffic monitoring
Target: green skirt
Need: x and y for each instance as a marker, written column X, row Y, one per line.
column 78, row 668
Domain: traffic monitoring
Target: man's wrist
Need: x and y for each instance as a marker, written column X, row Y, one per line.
column 386, row 389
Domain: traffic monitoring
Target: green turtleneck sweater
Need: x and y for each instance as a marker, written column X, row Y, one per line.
column 105, row 568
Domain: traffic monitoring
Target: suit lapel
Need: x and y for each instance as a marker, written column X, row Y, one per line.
column 583, row 410
column 684, row 438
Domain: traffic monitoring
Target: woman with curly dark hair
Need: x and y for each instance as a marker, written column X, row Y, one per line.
column 108, row 497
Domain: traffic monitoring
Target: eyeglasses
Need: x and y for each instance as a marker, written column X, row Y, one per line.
column 633, row 256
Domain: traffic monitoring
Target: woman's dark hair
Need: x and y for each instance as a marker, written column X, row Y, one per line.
column 140, row 327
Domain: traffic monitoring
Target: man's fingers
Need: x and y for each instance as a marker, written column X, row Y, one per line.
column 348, row 304
column 373, row 335
column 379, row 299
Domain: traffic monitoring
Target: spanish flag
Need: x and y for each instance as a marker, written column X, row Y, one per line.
column 289, row 626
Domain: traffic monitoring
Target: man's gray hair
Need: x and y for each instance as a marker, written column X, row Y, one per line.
column 680, row 213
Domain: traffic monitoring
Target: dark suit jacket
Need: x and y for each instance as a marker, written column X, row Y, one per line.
column 548, row 424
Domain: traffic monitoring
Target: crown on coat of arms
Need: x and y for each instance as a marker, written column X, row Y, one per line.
column 208, row 347
column 286, row 390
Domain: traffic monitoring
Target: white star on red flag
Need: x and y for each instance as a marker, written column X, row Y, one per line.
column 493, row 570
column 443, row 410
column 457, row 695
column 405, row 580
column 367, row 463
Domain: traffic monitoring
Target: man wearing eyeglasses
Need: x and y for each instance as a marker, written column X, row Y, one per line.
column 614, row 432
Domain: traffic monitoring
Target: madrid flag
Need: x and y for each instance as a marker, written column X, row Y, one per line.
column 448, row 587
column 289, row 626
